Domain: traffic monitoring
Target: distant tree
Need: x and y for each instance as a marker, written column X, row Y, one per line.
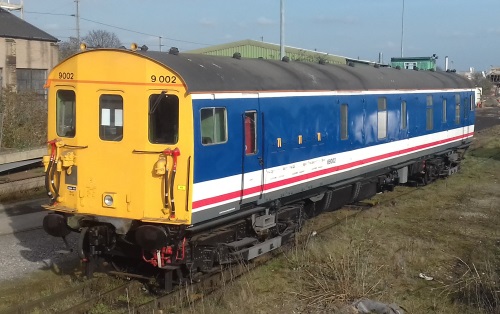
column 480, row 81
column 68, row 48
column 101, row 39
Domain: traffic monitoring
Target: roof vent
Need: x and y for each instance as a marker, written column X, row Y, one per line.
column 351, row 64
column 237, row 55
column 145, row 48
column 398, row 67
column 322, row 61
column 377, row 65
column 415, row 68
column 285, row 59
column 173, row 51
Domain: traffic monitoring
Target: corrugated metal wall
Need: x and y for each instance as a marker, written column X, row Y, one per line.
column 254, row 49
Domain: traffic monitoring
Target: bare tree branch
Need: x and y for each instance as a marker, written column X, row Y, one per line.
column 101, row 39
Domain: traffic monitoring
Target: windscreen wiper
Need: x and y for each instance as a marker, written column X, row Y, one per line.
column 157, row 103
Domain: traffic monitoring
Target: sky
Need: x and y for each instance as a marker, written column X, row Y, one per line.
column 467, row 31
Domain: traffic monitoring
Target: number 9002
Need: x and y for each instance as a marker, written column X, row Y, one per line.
column 65, row 75
column 163, row 79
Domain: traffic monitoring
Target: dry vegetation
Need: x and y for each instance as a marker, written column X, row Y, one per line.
column 447, row 231
column 23, row 119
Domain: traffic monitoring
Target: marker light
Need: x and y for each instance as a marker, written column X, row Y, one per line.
column 108, row 200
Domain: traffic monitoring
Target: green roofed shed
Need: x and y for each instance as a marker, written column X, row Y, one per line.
column 256, row 49
column 421, row 63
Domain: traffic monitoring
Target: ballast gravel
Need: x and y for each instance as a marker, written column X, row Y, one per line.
column 24, row 252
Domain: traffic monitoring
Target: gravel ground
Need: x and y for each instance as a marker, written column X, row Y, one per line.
column 28, row 251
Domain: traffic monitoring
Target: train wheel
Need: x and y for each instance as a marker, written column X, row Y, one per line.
column 91, row 261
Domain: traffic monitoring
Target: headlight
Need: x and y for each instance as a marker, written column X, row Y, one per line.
column 108, row 200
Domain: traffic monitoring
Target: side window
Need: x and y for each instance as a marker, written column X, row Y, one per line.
column 429, row 124
column 444, row 110
column 163, row 119
column 471, row 103
column 66, row 113
column 404, row 123
column 344, row 134
column 457, row 109
column 382, row 118
column 213, row 125
column 111, row 118
column 250, row 132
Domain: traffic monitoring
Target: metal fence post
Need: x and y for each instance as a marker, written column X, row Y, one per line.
column 1, row 128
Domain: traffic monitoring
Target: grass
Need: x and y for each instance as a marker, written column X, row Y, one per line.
column 447, row 231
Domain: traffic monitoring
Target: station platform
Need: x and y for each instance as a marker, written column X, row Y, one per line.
column 12, row 159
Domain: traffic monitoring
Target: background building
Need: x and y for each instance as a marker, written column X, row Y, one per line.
column 421, row 63
column 257, row 49
column 26, row 54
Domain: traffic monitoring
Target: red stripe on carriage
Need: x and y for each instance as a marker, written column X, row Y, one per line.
column 307, row 176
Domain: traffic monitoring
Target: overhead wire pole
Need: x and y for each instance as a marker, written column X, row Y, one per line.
column 282, row 32
column 78, row 20
column 402, row 27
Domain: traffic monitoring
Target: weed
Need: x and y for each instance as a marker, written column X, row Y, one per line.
column 23, row 119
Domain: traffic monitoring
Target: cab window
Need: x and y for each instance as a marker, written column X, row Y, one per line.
column 213, row 126
column 111, row 118
column 163, row 119
column 66, row 113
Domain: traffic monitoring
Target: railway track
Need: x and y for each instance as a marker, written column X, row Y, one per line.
column 187, row 293
column 21, row 184
column 133, row 296
column 78, row 299
column 126, row 296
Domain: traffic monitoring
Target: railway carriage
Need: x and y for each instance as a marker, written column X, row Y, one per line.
column 185, row 162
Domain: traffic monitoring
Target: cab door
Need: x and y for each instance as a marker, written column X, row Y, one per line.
column 252, row 169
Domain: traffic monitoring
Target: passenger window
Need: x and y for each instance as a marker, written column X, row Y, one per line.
column 250, row 132
column 403, row 116
column 111, row 118
column 457, row 108
column 382, row 118
column 444, row 110
column 66, row 113
column 429, row 124
column 471, row 103
column 429, row 101
column 344, row 134
column 163, row 119
column 213, row 126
